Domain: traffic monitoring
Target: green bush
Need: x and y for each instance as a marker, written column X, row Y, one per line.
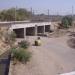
column 21, row 55
column 24, row 44
column 66, row 21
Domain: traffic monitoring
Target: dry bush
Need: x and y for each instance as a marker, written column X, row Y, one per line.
column 71, row 42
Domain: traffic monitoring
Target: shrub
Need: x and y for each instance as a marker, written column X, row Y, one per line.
column 10, row 38
column 71, row 42
column 24, row 44
column 66, row 21
column 21, row 55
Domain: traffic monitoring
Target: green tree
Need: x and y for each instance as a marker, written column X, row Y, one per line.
column 66, row 22
column 9, row 15
column 2, row 15
column 22, row 14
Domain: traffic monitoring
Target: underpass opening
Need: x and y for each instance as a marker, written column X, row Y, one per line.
column 30, row 31
column 40, row 29
column 19, row 32
column 47, row 28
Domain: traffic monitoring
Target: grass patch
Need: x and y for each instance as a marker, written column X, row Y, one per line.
column 21, row 54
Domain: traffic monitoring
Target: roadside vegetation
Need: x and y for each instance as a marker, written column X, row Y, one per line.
column 20, row 54
column 19, row 51
column 3, row 45
column 9, row 15
column 71, row 41
column 24, row 44
column 66, row 22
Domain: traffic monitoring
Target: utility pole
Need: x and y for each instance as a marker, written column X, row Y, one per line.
column 15, row 14
column 31, row 13
column 31, row 10
column 48, row 14
column 72, row 17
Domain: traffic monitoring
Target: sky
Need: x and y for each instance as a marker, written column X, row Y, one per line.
column 59, row 7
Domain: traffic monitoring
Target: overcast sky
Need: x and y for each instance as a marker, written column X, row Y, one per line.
column 41, row 6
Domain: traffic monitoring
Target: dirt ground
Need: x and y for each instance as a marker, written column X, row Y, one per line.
column 53, row 57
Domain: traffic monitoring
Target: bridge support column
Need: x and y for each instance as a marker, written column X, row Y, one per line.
column 44, row 29
column 35, row 30
column 24, row 33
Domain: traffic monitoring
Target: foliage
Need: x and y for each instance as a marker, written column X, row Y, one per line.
column 1, row 33
column 21, row 55
column 15, row 14
column 66, row 22
column 22, row 14
column 6, row 15
column 10, row 38
column 24, row 44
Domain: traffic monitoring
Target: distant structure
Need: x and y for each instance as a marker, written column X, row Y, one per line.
column 28, row 28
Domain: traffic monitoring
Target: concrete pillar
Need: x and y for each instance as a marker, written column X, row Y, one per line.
column 24, row 33
column 35, row 30
column 44, row 29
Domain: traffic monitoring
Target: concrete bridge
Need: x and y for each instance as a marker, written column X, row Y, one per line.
column 31, row 29
column 23, row 28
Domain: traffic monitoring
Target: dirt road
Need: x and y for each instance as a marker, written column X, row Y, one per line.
column 52, row 58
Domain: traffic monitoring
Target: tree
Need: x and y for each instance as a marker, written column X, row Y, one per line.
column 22, row 14
column 66, row 22
column 9, row 15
